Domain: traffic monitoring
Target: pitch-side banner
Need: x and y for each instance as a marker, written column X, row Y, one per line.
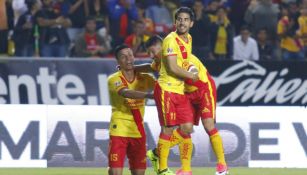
column 80, row 82
column 66, row 136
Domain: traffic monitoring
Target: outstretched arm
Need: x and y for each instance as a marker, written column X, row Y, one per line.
column 146, row 67
column 133, row 94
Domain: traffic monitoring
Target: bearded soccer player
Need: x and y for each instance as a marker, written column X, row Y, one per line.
column 154, row 48
column 202, row 94
column 173, row 105
column 128, row 91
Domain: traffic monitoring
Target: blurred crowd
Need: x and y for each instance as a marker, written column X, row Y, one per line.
column 223, row 29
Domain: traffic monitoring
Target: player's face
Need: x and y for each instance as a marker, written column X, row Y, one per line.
column 155, row 50
column 126, row 59
column 183, row 23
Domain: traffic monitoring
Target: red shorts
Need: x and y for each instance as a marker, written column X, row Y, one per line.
column 204, row 101
column 173, row 109
column 134, row 148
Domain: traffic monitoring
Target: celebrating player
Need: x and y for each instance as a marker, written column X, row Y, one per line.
column 203, row 96
column 128, row 91
column 173, row 106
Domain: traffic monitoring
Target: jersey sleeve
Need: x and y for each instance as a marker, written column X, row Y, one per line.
column 169, row 47
column 116, row 84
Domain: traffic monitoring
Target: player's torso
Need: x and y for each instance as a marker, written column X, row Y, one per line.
column 122, row 120
column 174, row 45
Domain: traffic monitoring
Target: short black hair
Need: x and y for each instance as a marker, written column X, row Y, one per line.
column 185, row 10
column 90, row 18
column 262, row 29
column 244, row 27
column 119, row 48
column 153, row 40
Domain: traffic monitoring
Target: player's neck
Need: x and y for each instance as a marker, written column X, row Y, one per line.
column 183, row 36
column 129, row 75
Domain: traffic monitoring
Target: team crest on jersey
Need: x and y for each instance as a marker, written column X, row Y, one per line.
column 118, row 83
column 169, row 50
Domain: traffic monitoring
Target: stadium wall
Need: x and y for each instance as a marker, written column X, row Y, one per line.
column 73, row 135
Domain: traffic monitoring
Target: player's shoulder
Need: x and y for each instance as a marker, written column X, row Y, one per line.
column 170, row 37
column 114, row 76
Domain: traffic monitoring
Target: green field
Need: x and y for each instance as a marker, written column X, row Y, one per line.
column 103, row 171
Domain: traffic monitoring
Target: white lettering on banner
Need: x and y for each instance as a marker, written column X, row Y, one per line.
column 19, row 148
column 14, row 85
column 78, row 136
column 261, row 84
column 68, row 89
column 103, row 89
column 3, row 91
column 45, row 81
column 65, row 90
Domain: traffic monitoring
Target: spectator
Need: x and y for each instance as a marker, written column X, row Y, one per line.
column 99, row 10
column 263, row 15
column 122, row 13
column 161, row 17
column 89, row 43
column 237, row 12
column 6, row 24
column 136, row 41
column 245, row 47
column 25, row 29
column 302, row 31
column 303, row 4
column 294, row 10
column 201, row 27
column 221, row 36
column 19, row 8
column 212, row 8
column 291, row 44
column 78, row 10
column 265, row 48
column 149, row 25
column 54, row 40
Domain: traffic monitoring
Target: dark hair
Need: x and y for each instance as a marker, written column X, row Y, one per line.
column 222, row 7
column 119, row 48
column 153, row 40
column 262, row 29
column 244, row 27
column 185, row 10
column 90, row 18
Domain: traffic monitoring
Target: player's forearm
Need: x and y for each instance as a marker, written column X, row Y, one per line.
column 146, row 67
column 127, row 93
column 178, row 71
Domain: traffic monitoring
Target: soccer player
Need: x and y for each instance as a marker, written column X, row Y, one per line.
column 173, row 105
column 128, row 91
column 202, row 94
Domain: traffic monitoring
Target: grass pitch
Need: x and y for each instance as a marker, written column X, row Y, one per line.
column 103, row 171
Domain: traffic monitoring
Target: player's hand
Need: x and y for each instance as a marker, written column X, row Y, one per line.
column 195, row 77
column 149, row 95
